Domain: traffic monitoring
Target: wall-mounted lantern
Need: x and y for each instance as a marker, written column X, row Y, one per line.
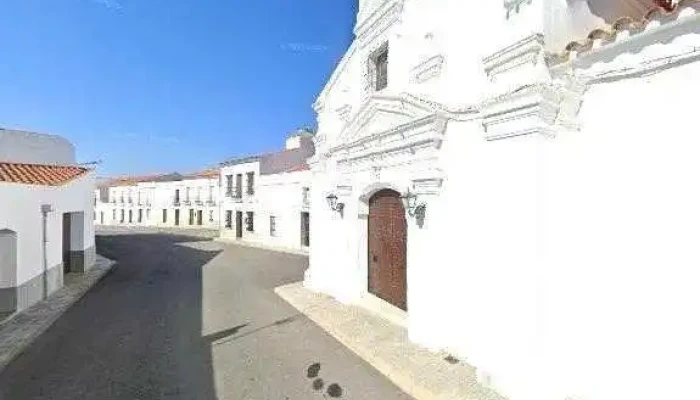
column 334, row 204
column 411, row 204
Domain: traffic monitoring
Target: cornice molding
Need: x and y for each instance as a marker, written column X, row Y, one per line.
column 388, row 9
column 529, row 50
column 428, row 185
column 543, row 108
column 428, row 69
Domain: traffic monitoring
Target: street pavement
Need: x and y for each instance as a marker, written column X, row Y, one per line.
column 183, row 317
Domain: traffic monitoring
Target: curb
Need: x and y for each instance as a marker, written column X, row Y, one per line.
column 276, row 249
column 20, row 330
column 418, row 372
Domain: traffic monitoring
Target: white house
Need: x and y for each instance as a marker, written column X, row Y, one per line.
column 46, row 217
column 171, row 200
column 517, row 176
column 266, row 197
column 191, row 202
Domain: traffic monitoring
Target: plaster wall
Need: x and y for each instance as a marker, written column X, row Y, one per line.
column 35, row 148
column 619, row 230
column 21, row 212
column 278, row 195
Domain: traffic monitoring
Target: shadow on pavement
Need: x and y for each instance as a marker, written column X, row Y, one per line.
column 136, row 335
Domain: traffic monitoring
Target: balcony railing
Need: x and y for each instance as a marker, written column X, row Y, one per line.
column 211, row 202
column 188, row 202
column 176, row 202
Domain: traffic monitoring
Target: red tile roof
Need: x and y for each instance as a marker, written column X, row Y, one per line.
column 207, row 173
column 660, row 7
column 37, row 174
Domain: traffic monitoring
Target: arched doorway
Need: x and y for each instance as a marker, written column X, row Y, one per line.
column 387, row 248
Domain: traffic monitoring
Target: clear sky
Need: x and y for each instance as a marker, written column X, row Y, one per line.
column 152, row 86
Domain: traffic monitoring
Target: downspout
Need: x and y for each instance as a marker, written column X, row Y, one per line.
column 45, row 210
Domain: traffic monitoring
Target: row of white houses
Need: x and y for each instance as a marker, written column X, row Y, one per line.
column 261, row 199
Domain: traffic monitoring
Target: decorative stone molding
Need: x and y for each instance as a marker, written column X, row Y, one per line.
column 532, row 109
column 427, row 69
column 529, row 50
column 378, row 20
column 427, row 186
column 344, row 190
column 344, row 112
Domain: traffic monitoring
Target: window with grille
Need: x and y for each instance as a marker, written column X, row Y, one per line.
column 379, row 68
column 305, row 196
column 191, row 216
column 122, row 218
column 165, row 215
column 251, row 183
column 273, row 225
column 229, row 185
column 249, row 221
column 229, row 219
column 239, row 186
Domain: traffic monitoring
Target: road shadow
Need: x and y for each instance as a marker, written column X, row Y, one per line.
column 136, row 335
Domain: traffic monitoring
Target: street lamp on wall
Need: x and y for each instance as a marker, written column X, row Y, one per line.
column 334, row 204
column 411, row 204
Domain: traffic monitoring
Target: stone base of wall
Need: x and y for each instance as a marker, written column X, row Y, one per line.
column 30, row 292
column 82, row 260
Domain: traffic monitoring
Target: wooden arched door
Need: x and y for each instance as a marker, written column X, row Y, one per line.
column 387, row 248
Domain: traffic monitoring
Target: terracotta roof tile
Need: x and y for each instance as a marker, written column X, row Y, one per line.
column 133, row 180
column 661, row 8
column 37, row 174
column 207, row 173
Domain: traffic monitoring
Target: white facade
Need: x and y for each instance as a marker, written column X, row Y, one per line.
column 266, row 198
column 164, row 201
column 557, row 247
column 189, row 203
column 46, row 229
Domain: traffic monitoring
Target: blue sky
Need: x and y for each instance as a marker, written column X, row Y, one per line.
column 152, row 86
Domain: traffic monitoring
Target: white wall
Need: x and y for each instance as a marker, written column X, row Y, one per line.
column 156, row 196
column 559, row 263
column 20, row 211
column 35, row 148
column 620, row 232
column 278, row 195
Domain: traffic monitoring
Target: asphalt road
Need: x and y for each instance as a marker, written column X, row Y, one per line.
column 182, row 317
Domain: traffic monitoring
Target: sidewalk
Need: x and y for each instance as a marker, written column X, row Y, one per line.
column 18, row 331
column 385, row 345
column 280, row 249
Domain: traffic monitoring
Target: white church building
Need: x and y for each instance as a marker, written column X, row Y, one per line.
column 46, row 217
column 518, row 177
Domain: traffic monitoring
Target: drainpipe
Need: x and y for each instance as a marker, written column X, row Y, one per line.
column 45, row 210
